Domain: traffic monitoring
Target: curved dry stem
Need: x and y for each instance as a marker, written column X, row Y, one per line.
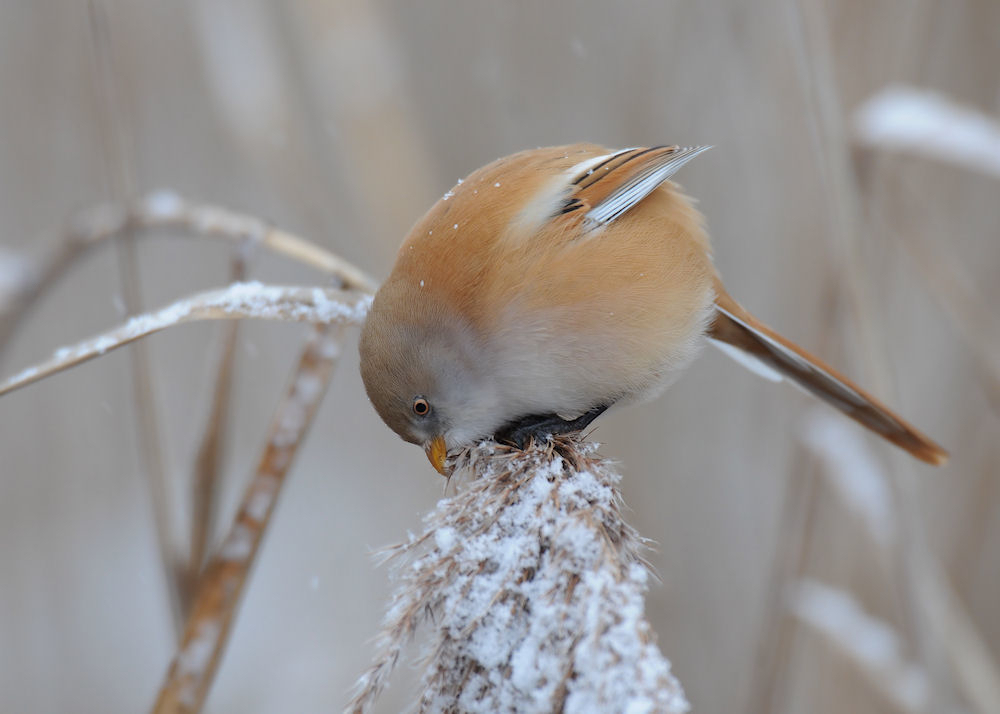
column 166, row 209
column 219, row 591
column 238, row 301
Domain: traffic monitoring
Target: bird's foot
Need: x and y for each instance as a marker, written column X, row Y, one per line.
column 521, row 432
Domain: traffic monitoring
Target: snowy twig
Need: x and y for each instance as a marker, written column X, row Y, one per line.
column 23, row 282
column 931, row 125
column 240, row 300
column 214, row 607
column 166, row 209
column 532, row 585
column 868, row 642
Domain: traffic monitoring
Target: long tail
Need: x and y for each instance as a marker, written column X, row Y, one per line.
column 770, row 354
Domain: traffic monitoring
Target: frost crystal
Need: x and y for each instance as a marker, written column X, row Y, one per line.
column 532, row 587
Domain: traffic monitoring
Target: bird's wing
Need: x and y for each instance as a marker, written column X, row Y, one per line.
column 742, row 336
column 606, row 187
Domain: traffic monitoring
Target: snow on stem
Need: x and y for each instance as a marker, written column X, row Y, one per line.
column 220, row 588
column 870, row 643
column 532, row 587
column 929, row 124
column 239, row 300
column 161, row 209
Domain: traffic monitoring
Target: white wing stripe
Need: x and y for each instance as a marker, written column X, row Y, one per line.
column 641, row 186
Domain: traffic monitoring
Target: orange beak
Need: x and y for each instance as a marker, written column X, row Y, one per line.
column 436, row 453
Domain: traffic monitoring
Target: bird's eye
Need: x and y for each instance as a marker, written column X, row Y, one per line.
column 421, row 407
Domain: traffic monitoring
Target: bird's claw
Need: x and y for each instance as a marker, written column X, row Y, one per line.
column 538, row 427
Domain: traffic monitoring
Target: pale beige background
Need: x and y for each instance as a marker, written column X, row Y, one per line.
column 343, row 120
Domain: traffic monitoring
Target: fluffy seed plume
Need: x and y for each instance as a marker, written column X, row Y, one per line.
column 531, row 585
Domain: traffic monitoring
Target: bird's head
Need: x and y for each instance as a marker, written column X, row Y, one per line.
column 426, row 374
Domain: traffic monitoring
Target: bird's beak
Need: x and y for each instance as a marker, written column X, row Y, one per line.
column 436, row 452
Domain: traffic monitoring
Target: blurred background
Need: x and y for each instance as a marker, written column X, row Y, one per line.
column 805, row 565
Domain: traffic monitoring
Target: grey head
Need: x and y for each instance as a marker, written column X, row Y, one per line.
column 426, row 373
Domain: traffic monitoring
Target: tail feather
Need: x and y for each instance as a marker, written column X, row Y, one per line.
column 735, row 327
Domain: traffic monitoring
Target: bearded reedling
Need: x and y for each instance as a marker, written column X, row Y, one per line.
column 554, row 283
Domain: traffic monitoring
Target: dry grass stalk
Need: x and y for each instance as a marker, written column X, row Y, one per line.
column 238, row 301
column 159, row 210
column 863, row 485
column 118, row 144
column 925, row 124
column 208, row 466
column 220, row 588
column 964, row 137
column 915, row 565
column 533, row 587
column 793, row 549
column 954, row 290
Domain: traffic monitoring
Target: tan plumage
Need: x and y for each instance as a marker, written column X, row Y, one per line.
column 559, row 281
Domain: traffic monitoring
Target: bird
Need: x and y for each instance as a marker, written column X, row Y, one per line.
column 552, row 284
